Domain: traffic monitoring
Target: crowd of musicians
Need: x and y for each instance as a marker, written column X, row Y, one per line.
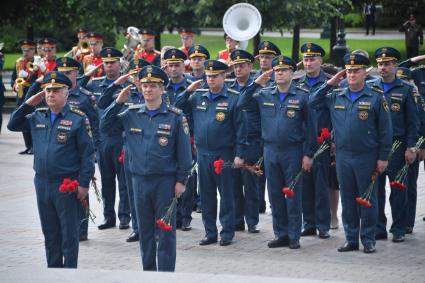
column 157, row 122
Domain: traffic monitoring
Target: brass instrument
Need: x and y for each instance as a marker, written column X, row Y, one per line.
column 242, row 22
column 132, row 36
column 20, row 83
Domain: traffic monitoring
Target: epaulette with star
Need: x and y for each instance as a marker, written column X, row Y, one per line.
column 302, row 88
column 175, row 110
column 134, row 106
column 41, row 109
column 77, row 111
column 233, row 91
column 202, row 89
column 377, row 89
column 85, row 91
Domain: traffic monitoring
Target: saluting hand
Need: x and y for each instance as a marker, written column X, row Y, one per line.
column 92, row 71
column 124, row 94
column 122, row 79
column 335, row 80
column 194, row 86
column 264, row 78
column 36, row 99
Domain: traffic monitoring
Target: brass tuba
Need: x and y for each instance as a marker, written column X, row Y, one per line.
column 242, row 22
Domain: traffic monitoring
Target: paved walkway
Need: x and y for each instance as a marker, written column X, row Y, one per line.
column 106, row 257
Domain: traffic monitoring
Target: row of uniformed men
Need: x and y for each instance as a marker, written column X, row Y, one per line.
column 219, row 109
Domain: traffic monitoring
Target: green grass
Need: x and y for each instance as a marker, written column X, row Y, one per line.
column 216, row 43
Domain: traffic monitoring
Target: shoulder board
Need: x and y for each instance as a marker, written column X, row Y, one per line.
column 42, row 109
column 301, row 88
column 85, row 91
column 233, row 90
column 98, row 78
column 377, row 89
column 338, row 89
column 202, row 89
column 229, row 80
column 77, row 111
column 20, row 59
column 268, row 87
column 175, row 110
column 189, row 81
column 134, row 106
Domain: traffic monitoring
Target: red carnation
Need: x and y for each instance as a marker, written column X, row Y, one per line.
column 325, row 134
column 68, row 186
column 320, row 140
column 218, row 166
column 121, row 157
column 289, row 193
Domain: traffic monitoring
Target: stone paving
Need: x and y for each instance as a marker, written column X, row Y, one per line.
column 22, row 249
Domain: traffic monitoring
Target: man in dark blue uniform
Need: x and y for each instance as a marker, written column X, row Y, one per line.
column 110, row 148
column 81, row 99
column 247, row 185
column 405, row 121
column 220, row 133
column 106, row 99
column 266, row 52
column 63, row 148
column 363, row 137
column 175, row 59
column 315, row 200
column 157, row 136
column 285, row 129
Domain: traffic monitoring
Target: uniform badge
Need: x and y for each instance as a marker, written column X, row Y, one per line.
column 290, row 113
column 163, row 141
column 61, row 137
column 385, row 105
column 395, row 107
column 220, row 116
column 65, row 123
column 185, row 125
column 363, row 115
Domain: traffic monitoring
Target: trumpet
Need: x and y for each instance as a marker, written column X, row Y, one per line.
column 20, row 83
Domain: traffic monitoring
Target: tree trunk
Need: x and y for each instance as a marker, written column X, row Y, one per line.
column 158, row 41
column 332, row 38
column 30, row 32
column 256, row 42
column 296, row 43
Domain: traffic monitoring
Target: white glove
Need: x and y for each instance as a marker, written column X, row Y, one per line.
column 42, row 67
column 90, row 68
column 187, row 62
column 23, row 74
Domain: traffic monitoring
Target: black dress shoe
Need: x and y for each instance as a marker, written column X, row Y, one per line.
column 369, row 248
column 253, row 229
column 295, row 244
column 381, row 236
column 133, row 237
column 324, row 235
column 108, row 223
column 240, row 227
column 347, row 247
column 198, row 210
column 309, row 232
column 24, row 151
column 409, row 230
column 83, row 238
column 186, row 226
column 278, row 242
column 30, row 151
column 124, row 225
column 225, row 242
column 207, row 241
column 398, row 238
